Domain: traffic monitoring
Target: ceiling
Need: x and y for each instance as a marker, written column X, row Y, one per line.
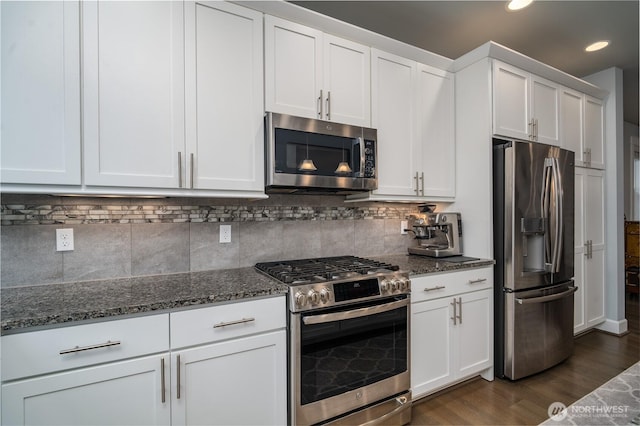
column 553, row 32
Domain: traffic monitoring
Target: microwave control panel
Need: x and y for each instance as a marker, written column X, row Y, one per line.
column 369, row 159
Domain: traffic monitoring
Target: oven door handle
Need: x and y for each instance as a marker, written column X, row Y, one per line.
column 403, row 404
column 354, row 313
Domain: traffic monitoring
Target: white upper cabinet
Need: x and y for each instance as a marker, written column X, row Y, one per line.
column 582, row 124
column 436, row 131
column 524, row 106
column 315, row 75
column 133, row 59
column 40, row 122
column 393, row 114
column 593, row 155
column 224, row 97
column 413, row 110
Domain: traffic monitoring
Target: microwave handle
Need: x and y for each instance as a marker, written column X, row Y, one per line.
column 360, row 142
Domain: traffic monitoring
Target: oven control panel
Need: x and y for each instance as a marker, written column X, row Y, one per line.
column 321, row 295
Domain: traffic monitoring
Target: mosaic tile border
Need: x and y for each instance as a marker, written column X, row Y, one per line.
column 67, row 211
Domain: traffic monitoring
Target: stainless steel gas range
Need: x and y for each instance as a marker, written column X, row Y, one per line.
column 349, row 340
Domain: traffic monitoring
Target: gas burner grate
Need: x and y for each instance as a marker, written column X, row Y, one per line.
column 308, row 271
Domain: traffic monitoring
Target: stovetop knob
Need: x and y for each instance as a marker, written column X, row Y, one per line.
column 301, row 299
column 325, row 295
column 394, row 285
column 385, row 285
column 314, row 297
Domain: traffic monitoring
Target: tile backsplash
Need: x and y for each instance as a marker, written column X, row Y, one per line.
column 122, row 237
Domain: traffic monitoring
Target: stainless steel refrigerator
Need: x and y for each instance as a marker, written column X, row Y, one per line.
column 533, row 247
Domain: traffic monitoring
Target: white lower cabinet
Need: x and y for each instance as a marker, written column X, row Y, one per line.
column 105, row 373
column 231, row 370
column 126, row 392
column 237, row 373
column 451, row 329
column 236, row 382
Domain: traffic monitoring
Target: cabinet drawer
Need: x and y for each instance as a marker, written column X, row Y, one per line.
column 40, row 352
column 223, row 322
column 433, row 286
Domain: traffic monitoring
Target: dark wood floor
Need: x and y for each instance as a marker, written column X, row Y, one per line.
column 597, row 358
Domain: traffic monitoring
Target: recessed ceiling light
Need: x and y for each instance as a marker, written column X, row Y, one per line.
column 518, row 4
column 596, row 46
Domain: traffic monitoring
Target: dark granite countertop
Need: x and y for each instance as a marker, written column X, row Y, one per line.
column 33, row 307
column 53, row 304
column 419, row 265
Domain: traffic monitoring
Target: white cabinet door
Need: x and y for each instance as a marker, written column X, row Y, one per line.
column 474, row 333
column 346, row 82
column 589, row 240
column 133, row 64
column 571, row 122
column 594, row 132
column 582, row 124
column 525, row 106
column 545, row 110
column 594, row 286
column 127, row 392
column 293, row 68
column 40, row 71
column 431, row 345
column 393, row 110
column 224, row 97
column 436, row 124
column 236, row 382
column 316, row 75
column 510, row 101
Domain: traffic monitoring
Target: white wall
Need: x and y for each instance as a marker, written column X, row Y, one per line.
column 611, row 80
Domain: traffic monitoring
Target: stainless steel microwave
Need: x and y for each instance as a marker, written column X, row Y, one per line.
column 309, row 155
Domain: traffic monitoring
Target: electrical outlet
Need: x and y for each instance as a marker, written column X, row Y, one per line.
column 225, row 233
column 64, row 239
column 403, row 227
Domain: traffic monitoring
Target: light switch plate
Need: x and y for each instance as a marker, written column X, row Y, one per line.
column 403, row 227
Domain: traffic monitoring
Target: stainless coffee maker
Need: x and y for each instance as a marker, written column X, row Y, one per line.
column 436, row 234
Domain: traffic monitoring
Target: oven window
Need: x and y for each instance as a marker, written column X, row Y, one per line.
column 344, row 355
column 326, row 152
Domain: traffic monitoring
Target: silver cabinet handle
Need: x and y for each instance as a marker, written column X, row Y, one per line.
column 192, row 162
column 417, row 187
column 455, row 315
column 162, row 389
column 422, row 184
column 530, row 125
column 535, row 128
column 241, row 321
column 479, row 280
column 460, row 310
column 178, row 377
column 438, row 287
column 179, row 169
column 328, row 105
column 319, row 102
column 89, row 348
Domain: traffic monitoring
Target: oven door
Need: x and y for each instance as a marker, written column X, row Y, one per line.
column 348, row 357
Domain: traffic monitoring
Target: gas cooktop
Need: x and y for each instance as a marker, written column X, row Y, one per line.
column 323, row 269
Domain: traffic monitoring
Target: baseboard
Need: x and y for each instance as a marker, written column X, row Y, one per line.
column 618, row 328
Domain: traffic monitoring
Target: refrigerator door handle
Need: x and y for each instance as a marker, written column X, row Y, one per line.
column 559, row 221
column 542, row 299
column 545, row 199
